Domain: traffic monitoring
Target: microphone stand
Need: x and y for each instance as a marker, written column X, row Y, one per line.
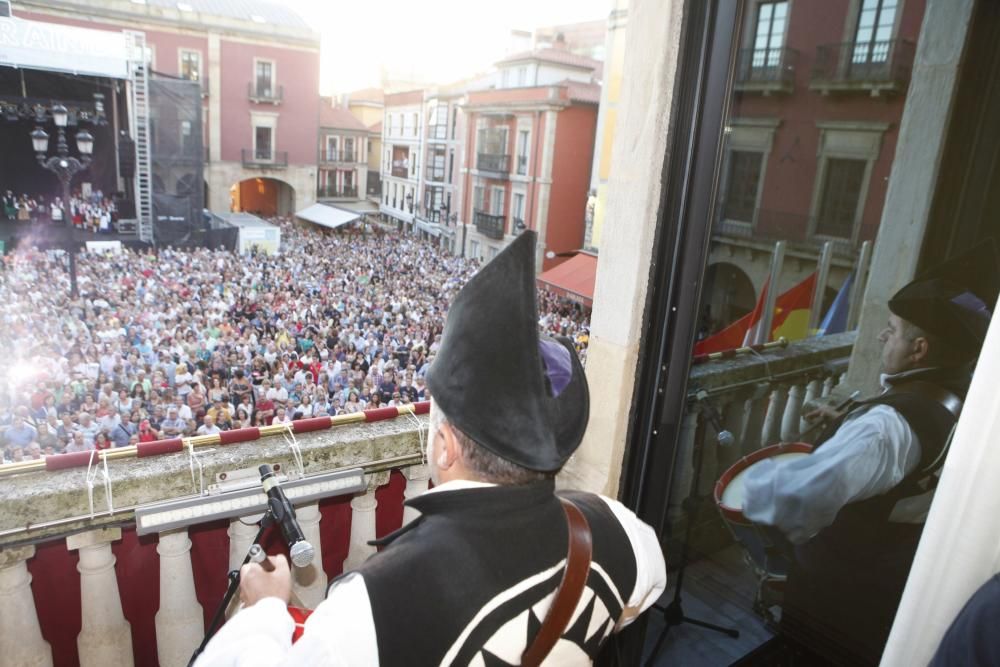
column 234, row 585
column 673, row 614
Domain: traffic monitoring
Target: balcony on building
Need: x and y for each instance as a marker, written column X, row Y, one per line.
column 437, row 132
column 264, row 159
column 265, row 94
column 489, row 225
column 874, row 68
column 338, row 156
column 766, row 71
column 330, row 192
column 493, row 165
column 760, row 229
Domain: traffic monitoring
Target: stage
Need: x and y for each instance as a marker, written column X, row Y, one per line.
column 45, row 235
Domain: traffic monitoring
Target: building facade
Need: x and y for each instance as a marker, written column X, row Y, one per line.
column 258, row 64
column 368, row 106
column 343, row 154
column 443, row 141
column 402, row 137
column 528, row 154
column 817, row 102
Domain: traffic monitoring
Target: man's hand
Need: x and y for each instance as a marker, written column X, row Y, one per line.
column 256, row 583
column 824, row 412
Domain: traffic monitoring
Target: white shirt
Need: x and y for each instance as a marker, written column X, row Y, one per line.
column 868, row 455
column 341, row 631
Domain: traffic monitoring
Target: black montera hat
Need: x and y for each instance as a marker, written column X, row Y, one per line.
column 954, row 300
column 520, row 395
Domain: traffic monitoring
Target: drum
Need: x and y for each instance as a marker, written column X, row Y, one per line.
column 762, row 544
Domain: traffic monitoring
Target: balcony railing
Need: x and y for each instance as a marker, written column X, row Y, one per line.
column 435, row 173
column 437, row 132
column 260, row 158
column 491, row 162
column 329, row 192
column 338, row 156
column 772, row 226
column 766, row 70
column 760, row 400
column 488, row 225
column 265, row 94
column 872, row 67
column 50, row 514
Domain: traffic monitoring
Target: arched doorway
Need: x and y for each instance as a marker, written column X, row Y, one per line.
column 262, row 196
column 729, row 295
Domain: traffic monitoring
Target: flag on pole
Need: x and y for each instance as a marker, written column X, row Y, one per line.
column 791, row 311
column 791, row 320
column 835, row 320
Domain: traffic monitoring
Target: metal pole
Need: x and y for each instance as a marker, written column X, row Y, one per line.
column 764, row 334
column 69, row 245
column 822, row 273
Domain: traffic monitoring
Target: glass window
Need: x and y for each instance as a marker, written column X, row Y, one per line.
column 522, row 152
column 874, row 32
column 743, row 181
column 262, row 138
column 191, row 65
column 841, row 192
column 478, row 194
column 770, row 34
column 497, row 201
column 265, row 75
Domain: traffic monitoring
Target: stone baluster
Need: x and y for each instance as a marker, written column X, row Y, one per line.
column 416, row 483
column 771, row 433
column 813, row 391
column 240, row 539
column 828, row 385
column 793, row 411
column 681, row 487
column 180, row 621
column 363, row 523
column 21, row 640
column 732, row 421
column 754, row 411
column 309, row 582
column 105, row 636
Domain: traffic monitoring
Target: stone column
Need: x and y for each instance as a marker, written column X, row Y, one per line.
column 21, row 640
column 775, row 410
column 105, row 636
column 309, row 582
column 416, row 483
column 793, row 410
column 363, row 523
column 180, row 621
column 240, row 538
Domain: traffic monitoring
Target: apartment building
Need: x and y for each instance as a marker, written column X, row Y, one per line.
column 258, row 64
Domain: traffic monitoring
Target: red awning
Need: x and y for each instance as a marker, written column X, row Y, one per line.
column 573, row 279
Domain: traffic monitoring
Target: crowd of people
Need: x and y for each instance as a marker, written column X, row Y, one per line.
column 165, row 343
column 91, row 212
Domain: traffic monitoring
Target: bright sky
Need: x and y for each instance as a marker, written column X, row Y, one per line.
column 439, row 40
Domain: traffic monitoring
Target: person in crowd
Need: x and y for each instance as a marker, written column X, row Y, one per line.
column 855, row 508
column 493, row 514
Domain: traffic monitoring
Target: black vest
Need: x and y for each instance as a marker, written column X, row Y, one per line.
column 467, row 577
column 846, row 582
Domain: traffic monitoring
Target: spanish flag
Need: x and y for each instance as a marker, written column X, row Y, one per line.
column 791, row 320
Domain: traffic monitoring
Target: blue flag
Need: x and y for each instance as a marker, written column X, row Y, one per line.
column 835, row 320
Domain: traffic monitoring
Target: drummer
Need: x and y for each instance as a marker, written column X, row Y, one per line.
column 855, row 508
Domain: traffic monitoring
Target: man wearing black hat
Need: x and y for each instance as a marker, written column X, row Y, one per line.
column 477, row 578
column 854, row 509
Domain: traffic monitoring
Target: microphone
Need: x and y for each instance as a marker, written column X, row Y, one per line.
column 724, row 437
column 300, row 551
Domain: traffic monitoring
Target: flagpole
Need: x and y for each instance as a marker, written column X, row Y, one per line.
column 777, row 260
column 860, row 285
column 822, row 273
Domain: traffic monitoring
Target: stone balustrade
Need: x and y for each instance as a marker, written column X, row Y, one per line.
column 760, row 399
column 73, row 506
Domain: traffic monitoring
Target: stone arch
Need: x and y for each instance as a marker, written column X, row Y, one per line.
column 263, row 196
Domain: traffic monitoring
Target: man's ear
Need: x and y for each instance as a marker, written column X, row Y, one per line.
column 921, row 348
column 449, row 450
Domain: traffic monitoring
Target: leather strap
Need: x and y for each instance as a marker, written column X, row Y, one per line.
column 570, row 588
column 946, row 399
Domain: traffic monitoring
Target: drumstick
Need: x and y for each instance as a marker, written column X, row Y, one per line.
column 837, row 408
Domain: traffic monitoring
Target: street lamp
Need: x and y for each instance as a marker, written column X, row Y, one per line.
column 64, row 166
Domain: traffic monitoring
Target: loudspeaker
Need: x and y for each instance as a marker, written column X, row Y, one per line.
column 126, row 157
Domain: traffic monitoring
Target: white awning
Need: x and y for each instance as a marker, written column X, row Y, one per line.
column 328, row 216
column 50, row 46
column 431, row 228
